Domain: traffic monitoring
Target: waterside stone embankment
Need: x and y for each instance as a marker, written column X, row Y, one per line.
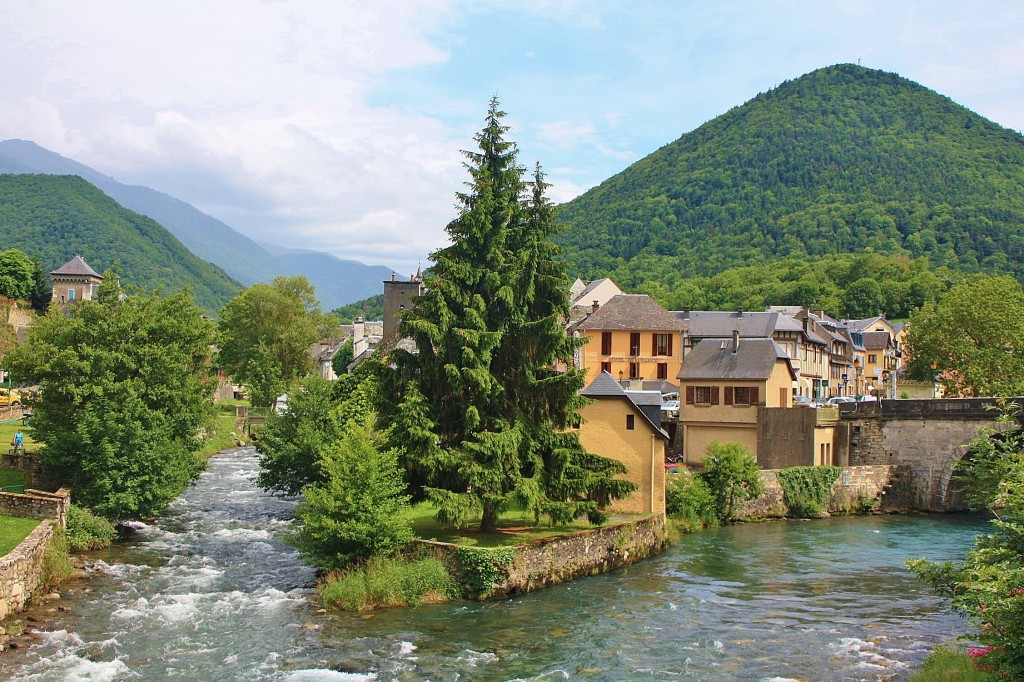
column 880, row 485
column 548, row 561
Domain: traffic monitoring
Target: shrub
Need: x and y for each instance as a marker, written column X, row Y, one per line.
column 690, row 502
column 86, row 531
column 357, row 512
column 807, row 489
column 56, row 567
column 950, row 664
column 988, row 586
column 388, row 582
column 730, row 472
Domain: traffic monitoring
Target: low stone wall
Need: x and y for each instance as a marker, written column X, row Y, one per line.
column 879, row 483
column 37, row 504
column 491, row 573
column 20, row 570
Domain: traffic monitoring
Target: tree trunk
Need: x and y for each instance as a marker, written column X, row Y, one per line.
column 489, row 522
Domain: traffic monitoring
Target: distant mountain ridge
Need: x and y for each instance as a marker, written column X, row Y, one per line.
column 842, row 160
column 205, row 236
column 56, row 217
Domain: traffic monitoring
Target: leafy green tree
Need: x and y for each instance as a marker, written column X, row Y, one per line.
column 478, row 411
column 266, row 332
column 341, row 359
column 123, row 395
column 356, row 512
column 17, row 274
column 292, row 445
column 42, row 292
column 863, row 298
column 974, row 335
column 730, row 472
column 988, row 586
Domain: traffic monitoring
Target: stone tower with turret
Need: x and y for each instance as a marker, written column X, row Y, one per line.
column 398, row 295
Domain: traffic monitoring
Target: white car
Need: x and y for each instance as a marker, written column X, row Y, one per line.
column 837, row 399
column 670, row 408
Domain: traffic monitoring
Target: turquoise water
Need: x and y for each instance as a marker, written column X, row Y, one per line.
column 212, row 593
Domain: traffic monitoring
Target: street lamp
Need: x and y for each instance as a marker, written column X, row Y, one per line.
column 856, row 374
column 935, row 366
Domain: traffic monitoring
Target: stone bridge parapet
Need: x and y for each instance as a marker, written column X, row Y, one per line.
column 927, row 437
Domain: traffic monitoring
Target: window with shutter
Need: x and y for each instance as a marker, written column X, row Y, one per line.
column 714, row 395
column 728, row 395
column 606, row 343
column 634, row 343
column 754, row 398
column 689, row 395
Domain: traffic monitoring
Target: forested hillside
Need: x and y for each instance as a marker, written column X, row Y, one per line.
column 843, row 160
column 53, row 218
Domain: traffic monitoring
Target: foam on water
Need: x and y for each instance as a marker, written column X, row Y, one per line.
column 328, row 676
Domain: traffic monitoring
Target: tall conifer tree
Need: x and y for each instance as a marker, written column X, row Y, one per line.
column 483, row 418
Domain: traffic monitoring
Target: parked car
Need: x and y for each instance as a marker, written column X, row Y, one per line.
column 838, row 399
column 868, row 399
column 670, row 408
column 10, row 397
column 803, row 401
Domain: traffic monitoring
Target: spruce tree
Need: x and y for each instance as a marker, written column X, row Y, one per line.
column 482, row 416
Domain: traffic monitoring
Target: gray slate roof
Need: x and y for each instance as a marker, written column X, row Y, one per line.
column 76, row 267
column 634, row 312
column 717, row 324
column 754, row 361
column 605, row 386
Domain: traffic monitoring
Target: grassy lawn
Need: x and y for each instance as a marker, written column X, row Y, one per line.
column 10, row 478
column 515, row 527
column 224, row 433
column 13, row 530
column 7, row 431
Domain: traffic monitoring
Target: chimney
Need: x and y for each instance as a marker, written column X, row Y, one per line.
column 394, row 277
column 739, row 313
column 595, row 306
column 686, row 313
column 412, row 278
column 735, row 341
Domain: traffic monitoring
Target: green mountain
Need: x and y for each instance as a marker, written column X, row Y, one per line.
column 337, row 281
column 54, row 217
column 842, row 160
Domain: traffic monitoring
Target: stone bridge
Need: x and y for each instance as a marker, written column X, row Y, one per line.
column 924, row 438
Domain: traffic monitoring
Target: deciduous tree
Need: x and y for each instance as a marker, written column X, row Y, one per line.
column 265, row 335
column 974, row 335
column 123, row 395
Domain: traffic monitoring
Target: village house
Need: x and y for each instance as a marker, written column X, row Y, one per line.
column 624, row 425
column 723, row 383
column 630, row 337
column 75, row 281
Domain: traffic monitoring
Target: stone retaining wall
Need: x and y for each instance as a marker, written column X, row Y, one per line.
column 20, row 570
column 879, row 483
column 550, row 561
column 37, row 504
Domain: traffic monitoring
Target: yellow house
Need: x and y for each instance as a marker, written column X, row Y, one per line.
column 616, row 425
column 723, row 383
column 630, row 337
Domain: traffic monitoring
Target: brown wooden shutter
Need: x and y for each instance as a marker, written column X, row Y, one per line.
column 782, row 398
column 753, row 396
column 728, row 395
column 670, row 344
column 654, row 344
column 689, row 395
column 714, row 395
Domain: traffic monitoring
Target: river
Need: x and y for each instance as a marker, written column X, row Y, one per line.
column 211, row 592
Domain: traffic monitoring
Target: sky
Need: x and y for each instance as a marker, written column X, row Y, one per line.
column 337, row 125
